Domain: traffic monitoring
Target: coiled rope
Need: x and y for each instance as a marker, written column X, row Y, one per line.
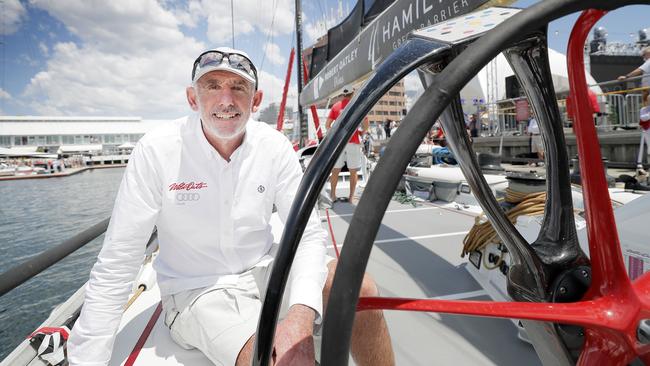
column 482, row 233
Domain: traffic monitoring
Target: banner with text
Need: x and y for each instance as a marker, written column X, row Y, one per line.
column 378, row 40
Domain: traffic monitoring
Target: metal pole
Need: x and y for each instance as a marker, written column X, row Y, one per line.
column 283, row 103
column 15, row 276
column 232, row 21
column 302, row 117
column 314, row 113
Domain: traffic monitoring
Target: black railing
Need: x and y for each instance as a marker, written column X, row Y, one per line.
column 19, row 274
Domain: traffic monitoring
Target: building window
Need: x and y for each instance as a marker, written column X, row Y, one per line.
column 52, row 140
column 5, row 140
column 67, row 139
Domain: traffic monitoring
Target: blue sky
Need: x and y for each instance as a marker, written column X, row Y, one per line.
column 133, row 58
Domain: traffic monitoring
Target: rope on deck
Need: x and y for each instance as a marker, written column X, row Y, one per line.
column 482, row 233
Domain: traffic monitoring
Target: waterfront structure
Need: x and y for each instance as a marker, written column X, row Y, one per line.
column 70, row 135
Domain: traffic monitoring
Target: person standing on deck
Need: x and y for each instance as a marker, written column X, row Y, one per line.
column 473, row 125
column 644, row 123
column 387, row 126
column 644, row 70
column 352, row 153
column 593, row 102
column 209, row 183
column 536, row 144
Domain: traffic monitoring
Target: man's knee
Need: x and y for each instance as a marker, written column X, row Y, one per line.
column 246, row 353
column 368, row 286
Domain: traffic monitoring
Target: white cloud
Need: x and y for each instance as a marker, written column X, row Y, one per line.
column 273, row 54
column 313, row 31
column 28, row 60
column 4, row 94
column 412, row 83
column 44, row 49
column 250, row 15
column 132, row 60
column 190, row 16
column 413, row 88
column 317, row 28
column 272, row 86
column 120, row 26
column 12, row 14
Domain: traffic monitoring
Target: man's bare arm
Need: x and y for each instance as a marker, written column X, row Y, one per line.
column 328, row 123
column 633, row 73
column 365, row 125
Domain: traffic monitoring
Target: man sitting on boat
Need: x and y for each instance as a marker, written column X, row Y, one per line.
column 209, row 183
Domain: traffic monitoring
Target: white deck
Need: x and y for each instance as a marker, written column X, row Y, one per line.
column 417, row 254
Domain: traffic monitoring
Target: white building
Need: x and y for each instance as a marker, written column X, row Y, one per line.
column 94, row 135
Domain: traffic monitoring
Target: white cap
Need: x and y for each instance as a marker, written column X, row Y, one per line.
column 348, row 89
column 225, row 66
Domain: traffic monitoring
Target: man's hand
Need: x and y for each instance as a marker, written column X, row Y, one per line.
column 294, row 344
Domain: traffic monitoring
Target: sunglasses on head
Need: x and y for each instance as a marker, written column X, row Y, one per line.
column 235, row 60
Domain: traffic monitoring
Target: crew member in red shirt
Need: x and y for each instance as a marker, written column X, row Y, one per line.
column 593, row 102
column 352, row 153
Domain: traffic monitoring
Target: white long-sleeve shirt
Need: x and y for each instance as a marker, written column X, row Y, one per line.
column 644, row 114
column 213, row 223
column 645, row 67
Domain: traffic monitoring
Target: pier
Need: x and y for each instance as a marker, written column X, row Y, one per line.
column 65, row 173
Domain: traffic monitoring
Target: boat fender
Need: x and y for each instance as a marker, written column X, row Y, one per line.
column 48, row 342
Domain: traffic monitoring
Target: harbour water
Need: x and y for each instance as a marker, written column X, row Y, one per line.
column 36, row 215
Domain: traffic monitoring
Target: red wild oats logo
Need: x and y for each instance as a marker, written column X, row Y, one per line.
column 183, row 186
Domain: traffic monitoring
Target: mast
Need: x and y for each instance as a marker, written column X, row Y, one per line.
column 302, row 117
column 232, row 21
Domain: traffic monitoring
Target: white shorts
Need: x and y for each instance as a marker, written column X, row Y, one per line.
column 536, row 144
column 350, row 155
column 219, row 320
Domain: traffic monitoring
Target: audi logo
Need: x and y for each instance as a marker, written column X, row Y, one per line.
column 185, row 197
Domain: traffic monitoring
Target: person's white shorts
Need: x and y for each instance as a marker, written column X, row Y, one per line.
column 350, row 155
column 536, row 144
column 219, row 320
